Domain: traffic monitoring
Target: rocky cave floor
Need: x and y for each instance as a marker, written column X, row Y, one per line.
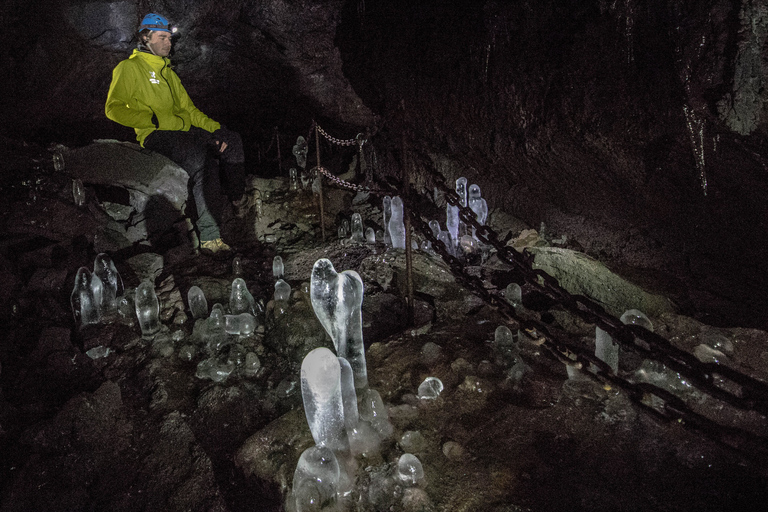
column 138, row 430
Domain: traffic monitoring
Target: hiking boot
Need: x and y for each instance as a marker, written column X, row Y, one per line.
column 214, row 246
column 243, row 205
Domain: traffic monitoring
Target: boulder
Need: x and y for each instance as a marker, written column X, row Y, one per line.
column 581, row 275
column 156, row 187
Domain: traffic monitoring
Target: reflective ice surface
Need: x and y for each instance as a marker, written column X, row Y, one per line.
column 321, row 392
column 337, row 299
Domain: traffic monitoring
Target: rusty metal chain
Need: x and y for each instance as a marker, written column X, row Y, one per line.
column 752, row 394
column 659, row 402
column 357, row 141
column 721, row 382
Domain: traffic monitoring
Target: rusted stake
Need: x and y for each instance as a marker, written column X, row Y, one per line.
column 407, row 222
column 320, row 180
column 279, row 156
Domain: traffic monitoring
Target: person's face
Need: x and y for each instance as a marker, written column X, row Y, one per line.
column 160, row 42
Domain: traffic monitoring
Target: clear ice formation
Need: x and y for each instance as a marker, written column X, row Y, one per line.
column 237, row 266
column 242, row 324
column 435, row 227
column 430, row 388
column 506, row 344
column 282, row 290
column 370, row 236
column 636, row 317
column 293, row 179
column 278, row 269
column 358, row 235
column 461, row 190
column 445, row 238
column 240, row 299
column 78, row 192
column 452, row 223
column 251, row 365
column 514, row 294
column 147, row 308
column 112, row 283
column 478, row 205
column 409, row 470
column 386, row 205
column 98, row 352
column 214, row 334
column 300, row 150
column 323, row 405
column 348, row 395
column 360, row 435
column 374, row 411
column 337, row 299
column 397, row 224
column 606, row 349
column 344, row 228
column 58, row 161
column 316, row 480
column 86, row 298
column 198, row 305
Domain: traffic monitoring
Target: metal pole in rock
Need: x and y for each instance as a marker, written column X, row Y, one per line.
column 320, row 181
column 407, row 222
column 279, row 156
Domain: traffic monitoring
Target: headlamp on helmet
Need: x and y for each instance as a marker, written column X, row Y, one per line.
column 156, row 22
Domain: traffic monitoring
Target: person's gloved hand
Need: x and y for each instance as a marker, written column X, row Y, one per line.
column 222, row 138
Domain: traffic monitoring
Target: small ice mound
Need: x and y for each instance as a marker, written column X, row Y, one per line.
column 430, row 388
column 409, row 470
column 707, row 354
column 316, row 479
column 636, row 317
column 717, row 341
column 514, row 294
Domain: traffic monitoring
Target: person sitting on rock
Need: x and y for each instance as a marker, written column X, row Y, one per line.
column 147, row 95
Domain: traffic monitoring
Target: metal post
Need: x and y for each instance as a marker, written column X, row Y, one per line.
column 407, row 222
column 320, row 180
column 279, row 156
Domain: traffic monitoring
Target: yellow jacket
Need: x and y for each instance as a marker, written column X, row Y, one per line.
column 144, row 84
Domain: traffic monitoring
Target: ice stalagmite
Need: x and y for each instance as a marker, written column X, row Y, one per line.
column 397, row 224
column 337, row 299
column 198, row 305
column 86, row 297
column 323, row 405
column 478, row 204
column 606, row 349
column 147, row 308
column 358, row 235
column 240, row 299
column 278, row 269
column 452, row 223
column 514, row 294
column 316, row 480
column 112, row 283
column 461, row 190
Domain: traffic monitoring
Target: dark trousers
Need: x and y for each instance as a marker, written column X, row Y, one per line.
column 195, row 152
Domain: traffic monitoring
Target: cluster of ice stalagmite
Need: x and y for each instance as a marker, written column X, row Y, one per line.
column 218, row 336
column 345, row 416
column 96, row 294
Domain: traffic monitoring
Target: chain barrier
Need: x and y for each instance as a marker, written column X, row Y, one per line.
column 359, row 140
column 720, row 382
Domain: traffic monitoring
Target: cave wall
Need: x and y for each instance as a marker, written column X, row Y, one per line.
column 636, row 128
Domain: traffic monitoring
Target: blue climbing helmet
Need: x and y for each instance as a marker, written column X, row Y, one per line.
column 154, row 21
